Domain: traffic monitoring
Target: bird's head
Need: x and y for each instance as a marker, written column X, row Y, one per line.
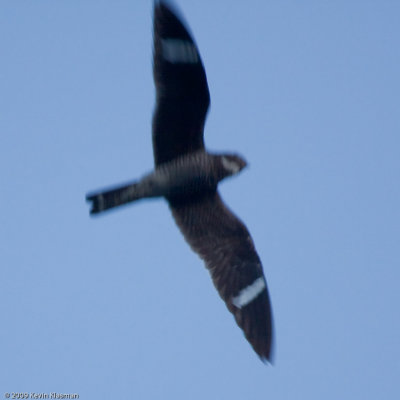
column 232, row 164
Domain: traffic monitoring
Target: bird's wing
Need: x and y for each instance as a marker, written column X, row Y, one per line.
column 225, row 245
column 182, row 96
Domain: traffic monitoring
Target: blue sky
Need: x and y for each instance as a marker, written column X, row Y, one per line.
column 118, row 306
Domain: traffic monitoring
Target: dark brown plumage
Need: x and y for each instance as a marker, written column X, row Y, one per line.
column 187, row 176
column 182, row 92
column 225, row 245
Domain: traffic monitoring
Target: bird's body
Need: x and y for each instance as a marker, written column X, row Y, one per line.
column 178, row 180
column 187, row 176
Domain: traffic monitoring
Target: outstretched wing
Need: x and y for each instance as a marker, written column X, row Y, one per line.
column 225, row 245
column 181, row 85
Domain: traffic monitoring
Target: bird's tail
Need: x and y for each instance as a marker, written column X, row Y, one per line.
column 104, row 200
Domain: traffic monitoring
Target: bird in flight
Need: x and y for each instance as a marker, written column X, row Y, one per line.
column 187, row 176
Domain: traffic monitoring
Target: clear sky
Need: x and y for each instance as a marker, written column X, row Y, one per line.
column 118, row 306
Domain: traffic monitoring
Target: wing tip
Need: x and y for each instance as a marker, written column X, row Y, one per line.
column 168, row 18
column 256, row 322
column 264, row 350
column 268, row 358
column 169, row 5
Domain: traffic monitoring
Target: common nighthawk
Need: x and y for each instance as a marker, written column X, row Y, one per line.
column 187, row 176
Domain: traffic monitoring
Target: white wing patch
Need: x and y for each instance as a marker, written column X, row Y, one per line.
column 249, row 293
column 179, row 51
